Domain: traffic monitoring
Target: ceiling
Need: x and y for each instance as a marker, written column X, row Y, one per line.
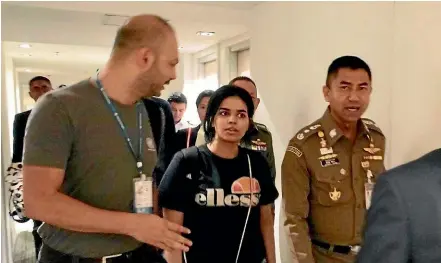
column 71, row 40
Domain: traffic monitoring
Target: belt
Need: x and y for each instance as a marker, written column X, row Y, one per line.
column 337, row 248
column 142, row 254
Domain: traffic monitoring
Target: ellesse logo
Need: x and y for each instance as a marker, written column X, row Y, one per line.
column 240, row 194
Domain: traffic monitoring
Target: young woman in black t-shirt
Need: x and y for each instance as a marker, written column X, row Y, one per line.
column 220, row 191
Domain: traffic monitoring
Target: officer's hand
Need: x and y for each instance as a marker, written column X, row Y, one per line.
column 158, row 232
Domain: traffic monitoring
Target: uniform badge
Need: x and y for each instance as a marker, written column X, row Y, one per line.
column 314, row 127
column 325, row 151
column 365, row 164
column 258, row 145
column 333, row 133
column 150, row 144
column 300, row 136
column 294, row 150
column 372, row 149
column 335, row 195
column 329, row 162
column 328, row 156
column 373, row 157
column 321, row 134
column 306, row 131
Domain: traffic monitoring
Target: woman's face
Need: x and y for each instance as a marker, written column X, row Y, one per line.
column 231, row 121
column 202, row 108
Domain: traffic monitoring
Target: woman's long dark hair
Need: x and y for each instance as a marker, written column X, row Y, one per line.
column 216, row 100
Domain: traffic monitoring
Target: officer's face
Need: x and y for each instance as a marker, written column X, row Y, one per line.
column 348, row 94
column 251, row 89
column 231, row 121
column 178, row 110
column 202, row 108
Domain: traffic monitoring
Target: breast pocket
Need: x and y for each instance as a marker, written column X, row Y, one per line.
column 331, row 186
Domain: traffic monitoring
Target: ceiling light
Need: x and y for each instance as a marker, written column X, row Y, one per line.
column 205, row 33
column 27, row 70
column 25, row 45
column 180, row 47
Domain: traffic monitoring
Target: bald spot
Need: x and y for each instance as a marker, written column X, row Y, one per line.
column 141, row 31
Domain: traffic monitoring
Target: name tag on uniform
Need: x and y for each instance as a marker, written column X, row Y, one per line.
column 368, row 189
column 329, row 162
column 143, row 199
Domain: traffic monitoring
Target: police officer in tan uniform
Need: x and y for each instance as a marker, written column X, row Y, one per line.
column 261, row 139
column 330, row 168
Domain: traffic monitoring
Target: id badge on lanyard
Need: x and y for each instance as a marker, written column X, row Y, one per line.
column 142, row 185
column 143, row 195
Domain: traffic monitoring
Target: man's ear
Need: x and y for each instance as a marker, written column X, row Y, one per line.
column 326, row 91
column 257, row 103
column 145, row 58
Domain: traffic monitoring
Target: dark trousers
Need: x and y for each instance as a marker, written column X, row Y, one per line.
column 37, row 239
column 143, row 254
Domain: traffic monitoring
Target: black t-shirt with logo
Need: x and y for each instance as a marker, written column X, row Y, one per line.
column 214, row 194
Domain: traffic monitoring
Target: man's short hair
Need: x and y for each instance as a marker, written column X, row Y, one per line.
column 177, row 97
column 204, row 94
column 242, row 78
column 129, row 37
column 37, row 78
column 351, row 62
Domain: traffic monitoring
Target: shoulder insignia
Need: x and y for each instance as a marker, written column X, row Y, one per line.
column 371, row 125
column 260, row 126
column 294, row 150
column 307, row 131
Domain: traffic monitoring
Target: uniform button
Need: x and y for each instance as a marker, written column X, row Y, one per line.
column 343, row 171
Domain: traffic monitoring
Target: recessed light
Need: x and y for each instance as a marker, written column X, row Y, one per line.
column 25, row 45
column 27, row 70
column 205, row 33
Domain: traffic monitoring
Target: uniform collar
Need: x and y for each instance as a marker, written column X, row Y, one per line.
column 333, row 133
column 254, row 129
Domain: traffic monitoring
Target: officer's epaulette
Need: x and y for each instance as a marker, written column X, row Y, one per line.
column 371, row 125
column 306, row 132
column 261, row 126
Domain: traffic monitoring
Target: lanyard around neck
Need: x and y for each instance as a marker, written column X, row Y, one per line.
column 138, row 157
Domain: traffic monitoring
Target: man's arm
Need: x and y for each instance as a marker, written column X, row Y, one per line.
column 386, row 237
column 267, row 229
column 270, row 157
column 173, row 256
column 295, row 192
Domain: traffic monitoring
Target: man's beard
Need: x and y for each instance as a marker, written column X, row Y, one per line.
column 148, row 85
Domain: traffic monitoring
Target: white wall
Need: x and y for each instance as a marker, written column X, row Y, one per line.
column 8, row 106
column 293, row 43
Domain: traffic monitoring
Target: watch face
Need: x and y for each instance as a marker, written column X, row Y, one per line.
column 23, row 250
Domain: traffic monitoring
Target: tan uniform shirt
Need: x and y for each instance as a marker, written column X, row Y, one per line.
column 323, row 181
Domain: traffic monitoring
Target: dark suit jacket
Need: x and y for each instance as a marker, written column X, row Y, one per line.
column 404, row 221
column 20, row 122
column 164, row 133
column 182, row 135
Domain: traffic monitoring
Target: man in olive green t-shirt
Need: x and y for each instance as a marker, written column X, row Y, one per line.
column 78, row 166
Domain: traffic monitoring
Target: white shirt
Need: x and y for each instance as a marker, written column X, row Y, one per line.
column 183, row 125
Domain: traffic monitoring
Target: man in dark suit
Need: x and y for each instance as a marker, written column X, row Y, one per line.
column 38, row 86
column 187, row 137
column 404, row 221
